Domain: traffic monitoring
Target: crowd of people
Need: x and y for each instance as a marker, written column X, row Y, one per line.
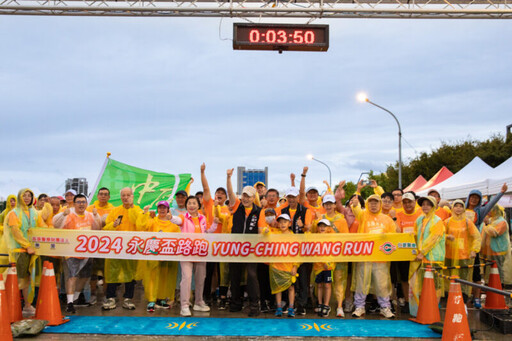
column 446, row 234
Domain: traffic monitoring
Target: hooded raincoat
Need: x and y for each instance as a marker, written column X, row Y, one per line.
column 3, row 245
column 478, row 213
column 430, row 240
column 466, row 240
column 374, row 274
column 158, row 277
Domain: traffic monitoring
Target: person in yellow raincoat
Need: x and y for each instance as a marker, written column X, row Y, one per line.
column 430, row 242
column 463, row 242
column 159, row 277
column 372, row 221
column 339, row 225
column 16, row 226
column 282, row 275
column 10, row 204
column 121, row 218
column 496, row 243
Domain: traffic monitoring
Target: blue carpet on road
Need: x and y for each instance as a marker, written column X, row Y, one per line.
column 125, row 325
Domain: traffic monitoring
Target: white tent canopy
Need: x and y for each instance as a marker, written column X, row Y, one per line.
column 475, row 175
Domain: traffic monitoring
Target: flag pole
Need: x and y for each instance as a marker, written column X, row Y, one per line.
column 91, row 194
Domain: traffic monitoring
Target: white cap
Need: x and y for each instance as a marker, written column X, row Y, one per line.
column 72, row 191
column 329, row 198
column 293, row 191
column 408, row 196
column 312, row 188
column 324, row 221
column 249, row 190
column 285, row 217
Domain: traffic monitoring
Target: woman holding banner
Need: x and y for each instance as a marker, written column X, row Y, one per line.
column 192, row 222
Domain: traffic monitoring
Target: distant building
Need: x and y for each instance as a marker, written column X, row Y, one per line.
column 248, row 177
column 80, row 185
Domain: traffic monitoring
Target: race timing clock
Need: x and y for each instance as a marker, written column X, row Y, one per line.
column 280, row 37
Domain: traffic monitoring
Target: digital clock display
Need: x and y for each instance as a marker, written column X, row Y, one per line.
column 280, row 37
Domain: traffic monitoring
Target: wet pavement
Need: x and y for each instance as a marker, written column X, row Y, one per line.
column 484, row 332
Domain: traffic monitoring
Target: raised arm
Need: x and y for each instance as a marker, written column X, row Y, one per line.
column 487, row 208
column 207, row 194
column 229, row 186
column 302, row 189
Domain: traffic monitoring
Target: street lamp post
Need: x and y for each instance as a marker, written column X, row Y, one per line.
column 323, row 163
column 363, row 98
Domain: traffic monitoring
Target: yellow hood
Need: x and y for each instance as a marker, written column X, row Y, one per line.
column 8, row 206
column 458, row 216
column 373, row 197
column 20, row 203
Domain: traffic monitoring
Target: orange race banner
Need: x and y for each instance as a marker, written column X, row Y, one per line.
column 219, row 247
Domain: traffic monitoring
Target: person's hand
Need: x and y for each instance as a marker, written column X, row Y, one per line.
column 94, row 211
column 66, row 212
column 230, row 172
column 292, row 177
column 30, row 250
column 169, row 216
column 216, row 220
column 487, row 220
column 306, row 228
column 342, row 184
column 273, row 224
column 392, row 214
column 360, row 186
column 504, row 188
column 146, row 209
column 265, row 230
column 294, row 272
column 472, row 254
column 191, row 180
column 419, row 257
column 305, row 170
column 326, row 183
column 450, row 237
column 263, row 202
column 373, row 184
column 152, row 214
column 117, row 222
column 300, row 224
column 203, row 167
column 318, row 215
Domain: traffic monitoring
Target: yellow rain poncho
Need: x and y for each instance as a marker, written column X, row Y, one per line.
column 121, row 270
column 430, row 241
column 159, row 277
column 3, row 245
column 16, row 226
column 281, row 273
column 466, row 239
column 496, row 244
column 372, row 274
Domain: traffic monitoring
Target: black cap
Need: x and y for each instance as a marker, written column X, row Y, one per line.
column 182, row 192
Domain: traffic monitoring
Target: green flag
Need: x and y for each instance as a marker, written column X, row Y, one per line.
column 148, row 187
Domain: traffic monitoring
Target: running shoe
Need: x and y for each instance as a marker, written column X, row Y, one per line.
column 109, row 304
column 359, row 312
column 128, row 304
column 151, row 307
column 279, row 312
column 291, row 312
column 339, row 312
column 386, row 312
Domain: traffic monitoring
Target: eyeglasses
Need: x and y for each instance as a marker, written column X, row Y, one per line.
column 397, row 195
column 81, row 202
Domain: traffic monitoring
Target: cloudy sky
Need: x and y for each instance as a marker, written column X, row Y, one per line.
column 169, row 93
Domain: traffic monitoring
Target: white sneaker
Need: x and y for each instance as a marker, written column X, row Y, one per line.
column 93, row 300
column 348, row 306
column 128, row 304
column 387, row 313
column 201, row 307
column 339, row 312
column 109, row 304
column 29, row 311
column 185, row 311
column 359, row 312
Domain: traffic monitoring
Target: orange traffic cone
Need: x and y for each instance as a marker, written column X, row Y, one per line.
column 13, row 294
column 456, row 325
column 5, row 319
column 428, row 310
column 42, row 284
column 492, row 300
column 48, row 300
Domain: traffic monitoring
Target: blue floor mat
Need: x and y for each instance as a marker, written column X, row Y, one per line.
column 124, row 325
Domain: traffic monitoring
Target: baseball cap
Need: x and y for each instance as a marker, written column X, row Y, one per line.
column 312, row 188
column 249, row 190
column 329, row 198
column 72, row 191
column 259, row 183
column 408, row 196
column 285, row 217
column 182, row 192
column 325, row 222
column 292, row 191
column 432, row 200
column 270, row 210
column 163, row 203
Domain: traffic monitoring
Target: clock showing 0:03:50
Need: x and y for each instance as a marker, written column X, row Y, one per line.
column 280, row 37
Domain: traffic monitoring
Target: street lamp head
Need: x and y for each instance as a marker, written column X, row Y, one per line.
column 362, row 97
column 310, row 157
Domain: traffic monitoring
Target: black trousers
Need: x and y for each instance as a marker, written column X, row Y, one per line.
column 211, row 268
column 264, row 282
column 253, row 288
column 304, row 272
column 129, row 288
